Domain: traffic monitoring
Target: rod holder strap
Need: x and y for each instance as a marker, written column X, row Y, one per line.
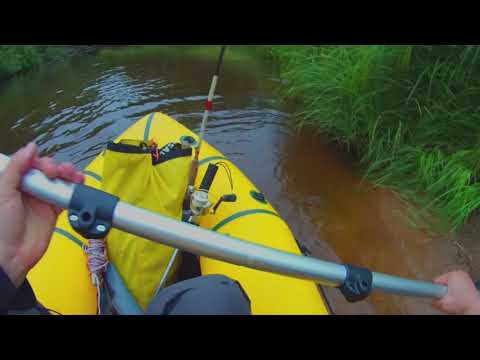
column 358, row 283
column 90, row 211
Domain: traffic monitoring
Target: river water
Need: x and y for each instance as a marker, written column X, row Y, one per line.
column 71, row 109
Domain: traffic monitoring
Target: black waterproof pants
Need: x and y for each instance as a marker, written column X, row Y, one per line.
column 204, row 295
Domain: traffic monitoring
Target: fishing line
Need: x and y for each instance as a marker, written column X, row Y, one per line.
column 225, row 166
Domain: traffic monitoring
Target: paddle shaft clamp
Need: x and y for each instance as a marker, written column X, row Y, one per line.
column 90, row 211
column 203, row 242
column 358, row 283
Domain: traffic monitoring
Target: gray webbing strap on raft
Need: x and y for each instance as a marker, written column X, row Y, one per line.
column 353, row 281
column 122, row 300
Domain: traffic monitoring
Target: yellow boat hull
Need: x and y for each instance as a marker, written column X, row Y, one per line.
column 61, row 279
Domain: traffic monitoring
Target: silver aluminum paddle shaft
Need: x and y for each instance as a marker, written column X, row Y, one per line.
column 207, row 243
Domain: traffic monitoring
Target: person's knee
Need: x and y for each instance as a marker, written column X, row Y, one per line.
column 207, row 295
column 227, row 289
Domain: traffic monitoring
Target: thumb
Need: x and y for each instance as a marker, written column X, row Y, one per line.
column 442, row 279
column 19, row 164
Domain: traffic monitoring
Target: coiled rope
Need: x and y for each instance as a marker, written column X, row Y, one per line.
column 97, row 262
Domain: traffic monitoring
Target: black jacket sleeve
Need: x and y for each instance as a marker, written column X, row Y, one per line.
column 13, row 298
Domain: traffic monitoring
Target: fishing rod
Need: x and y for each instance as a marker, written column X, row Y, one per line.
column 92, row 213
column 206, row 112
column 194, row 164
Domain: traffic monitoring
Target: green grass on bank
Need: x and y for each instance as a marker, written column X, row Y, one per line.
column 410, row 112
column 15, row 59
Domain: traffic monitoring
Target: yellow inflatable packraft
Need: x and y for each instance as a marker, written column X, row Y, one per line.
column 61, row 280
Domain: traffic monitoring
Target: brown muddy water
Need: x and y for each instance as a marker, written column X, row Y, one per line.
column 73, row 108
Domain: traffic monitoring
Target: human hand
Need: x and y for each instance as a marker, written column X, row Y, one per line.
column 26, row 223
column 462, row 297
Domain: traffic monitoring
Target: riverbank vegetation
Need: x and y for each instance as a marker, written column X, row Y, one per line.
column 209, row 52
column 411, row 113
column 237, row 56
column 16, row 59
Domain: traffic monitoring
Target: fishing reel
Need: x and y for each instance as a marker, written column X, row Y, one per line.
column 199, row 199
column 200, row 203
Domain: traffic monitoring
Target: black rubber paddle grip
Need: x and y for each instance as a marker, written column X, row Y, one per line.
column 208, row 177
column 358, row 283
column 90, row 211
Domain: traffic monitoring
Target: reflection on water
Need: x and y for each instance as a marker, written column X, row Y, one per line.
column 71, row 110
